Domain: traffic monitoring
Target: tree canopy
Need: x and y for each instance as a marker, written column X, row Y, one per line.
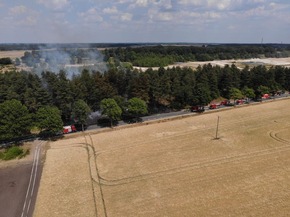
column 137, row 107
column 163, row 55
column 48, row 119
column 110, row 108
column 15, row 120
column 80, row 112
column 248, row 92
column 160, row 89
column 235, row 93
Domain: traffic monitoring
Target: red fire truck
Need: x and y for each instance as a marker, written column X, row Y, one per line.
column 69, row 129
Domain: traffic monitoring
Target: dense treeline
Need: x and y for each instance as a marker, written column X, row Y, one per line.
column 151, row 56
column 39, row 46
column 48, row 101
column 173, row 88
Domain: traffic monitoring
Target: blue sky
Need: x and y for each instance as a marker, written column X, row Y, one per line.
column 101, row 21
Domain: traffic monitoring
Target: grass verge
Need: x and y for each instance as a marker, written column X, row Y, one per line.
column 13, row 152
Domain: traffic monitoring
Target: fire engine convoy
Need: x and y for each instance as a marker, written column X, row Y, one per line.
column 200, row 109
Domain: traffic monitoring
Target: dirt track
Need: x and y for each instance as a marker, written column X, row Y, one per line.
column 175, row 168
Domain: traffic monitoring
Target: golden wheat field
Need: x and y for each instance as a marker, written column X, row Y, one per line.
column 175, row 168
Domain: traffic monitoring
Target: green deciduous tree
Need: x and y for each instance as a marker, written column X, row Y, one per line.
column 248, row 92
column 48, row 119
column 137, row 107
column 235, row 93
column 15, row 120
column 110, row 108
column 80, row 112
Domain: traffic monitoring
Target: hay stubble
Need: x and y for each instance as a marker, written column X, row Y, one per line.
column 176, row 168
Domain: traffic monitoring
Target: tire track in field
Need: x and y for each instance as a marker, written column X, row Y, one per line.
column 215, row 162
column 95, row 182
column 98, row 194
column 167, row 146
column 228, row 125
column 274, row 135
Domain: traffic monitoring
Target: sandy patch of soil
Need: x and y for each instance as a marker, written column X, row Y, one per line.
column 12, row 54
column 239, row 63
column 176, row 168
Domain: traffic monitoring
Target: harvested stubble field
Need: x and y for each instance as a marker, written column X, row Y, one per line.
column 175, row 168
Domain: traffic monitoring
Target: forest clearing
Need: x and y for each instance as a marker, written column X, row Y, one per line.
column 13, row 54
column 174, row 168
column 240, row 63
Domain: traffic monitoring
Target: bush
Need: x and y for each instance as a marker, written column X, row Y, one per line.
column 25, row 152
column 12, row 153
column 5, row 61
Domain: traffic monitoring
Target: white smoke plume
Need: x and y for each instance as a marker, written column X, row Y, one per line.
column 70, row 60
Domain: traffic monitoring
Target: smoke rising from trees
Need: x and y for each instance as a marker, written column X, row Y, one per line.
column 72, row 61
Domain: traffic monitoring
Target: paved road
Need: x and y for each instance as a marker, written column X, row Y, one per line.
column 184, row 112
column 19, row 185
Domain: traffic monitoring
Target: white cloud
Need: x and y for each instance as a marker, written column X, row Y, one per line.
column 221, row 5
column 55, row 4
column 166, row 4
column 91, row 16
column 165, row 16
column 20, row 9
column 22, row 15
column 112, row 10
column 199, row 18
column 191, row 2
column 151, row 3
column 215, row 4
column 259, row 11
column 28, row 21
column 258, row 1
column 126, row 17
column 123, row 1
column 155, row 15
column 141, row 3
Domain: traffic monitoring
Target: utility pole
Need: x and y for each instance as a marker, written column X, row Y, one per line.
column 217, row 128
